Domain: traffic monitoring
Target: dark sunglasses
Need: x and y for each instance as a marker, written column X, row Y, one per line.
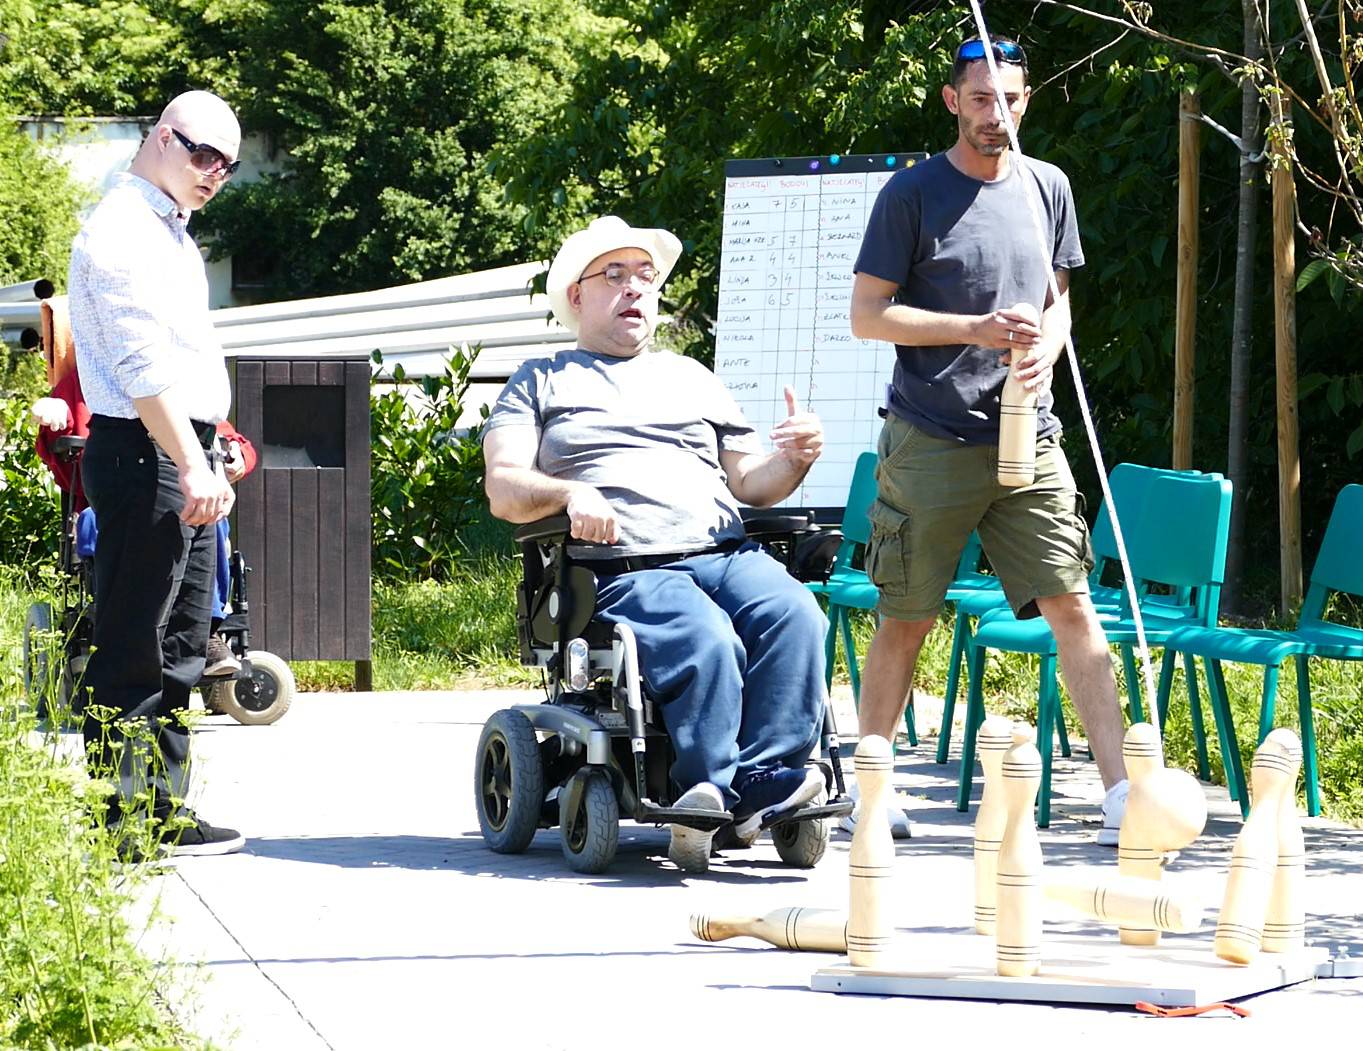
column 1004, row 51
column 206, row 159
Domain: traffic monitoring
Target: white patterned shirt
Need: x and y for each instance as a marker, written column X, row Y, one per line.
column 138, row 296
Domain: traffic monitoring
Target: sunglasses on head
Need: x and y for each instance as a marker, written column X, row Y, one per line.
column 206, row 159
column 1004, row 51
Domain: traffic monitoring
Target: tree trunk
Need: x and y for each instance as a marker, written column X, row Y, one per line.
column 1242, row 328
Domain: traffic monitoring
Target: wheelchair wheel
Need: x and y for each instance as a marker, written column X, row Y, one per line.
column 508, row 782
column 591, row 847
column 260, row 700
column 801, row 843
column 46, row 682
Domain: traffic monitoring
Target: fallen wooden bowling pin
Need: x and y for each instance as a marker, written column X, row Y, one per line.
column 995, row 738
column 803, row 930
column 1285, row 923
column 871, row 860
column 1254, row 860
column 1017, row 935
column 1128, row 901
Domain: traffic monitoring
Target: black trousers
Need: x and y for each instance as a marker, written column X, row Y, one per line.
column 153, row 603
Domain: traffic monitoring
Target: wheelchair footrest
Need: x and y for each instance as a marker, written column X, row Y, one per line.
column 705, row 820
column 839, row 807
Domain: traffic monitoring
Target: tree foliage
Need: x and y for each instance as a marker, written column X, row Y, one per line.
column 383, row 113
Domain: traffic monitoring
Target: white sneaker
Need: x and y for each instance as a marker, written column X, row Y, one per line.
column 1114, row 809
column 899, row 822
column 690, row 847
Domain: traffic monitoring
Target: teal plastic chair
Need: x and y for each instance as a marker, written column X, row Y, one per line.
column 1180, row 541
column 1338, row 568
column 1129, row 484
column 848, row 588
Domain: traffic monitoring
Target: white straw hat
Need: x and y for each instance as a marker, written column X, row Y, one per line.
column 601, row 236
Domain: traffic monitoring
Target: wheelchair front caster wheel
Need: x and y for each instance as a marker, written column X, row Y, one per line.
column 260, row 700
column 801, row 843
column 590, row 847
column 508, row 782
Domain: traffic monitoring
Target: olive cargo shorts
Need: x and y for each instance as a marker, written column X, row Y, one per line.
column 933, row 492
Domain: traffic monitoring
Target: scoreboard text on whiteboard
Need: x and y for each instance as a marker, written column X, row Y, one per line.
column 792, row 230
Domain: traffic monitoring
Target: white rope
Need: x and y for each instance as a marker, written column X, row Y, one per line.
column 1042, row 243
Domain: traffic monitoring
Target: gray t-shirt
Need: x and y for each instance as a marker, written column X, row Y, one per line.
column 646, row 431
column 957, row 245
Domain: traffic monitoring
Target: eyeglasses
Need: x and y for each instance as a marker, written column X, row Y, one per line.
column 1004, row 51
column 617, row 275
column 206, row 159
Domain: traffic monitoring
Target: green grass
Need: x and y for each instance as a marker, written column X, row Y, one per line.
column 70, row 972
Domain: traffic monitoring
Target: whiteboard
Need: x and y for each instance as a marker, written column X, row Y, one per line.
column 792, row 230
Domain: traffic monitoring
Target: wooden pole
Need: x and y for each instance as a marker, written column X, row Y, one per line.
column 1185, row 316
column 1285, row 343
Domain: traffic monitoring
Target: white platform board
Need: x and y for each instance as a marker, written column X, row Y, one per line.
column 1087, row 969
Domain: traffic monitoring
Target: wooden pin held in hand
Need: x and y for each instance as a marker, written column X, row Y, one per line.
column 804, row 930
column 1017, row 419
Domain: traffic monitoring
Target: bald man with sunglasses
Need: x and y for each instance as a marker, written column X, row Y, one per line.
column 154, row 379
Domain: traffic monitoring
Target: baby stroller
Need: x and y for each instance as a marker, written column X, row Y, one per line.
column 57, row 640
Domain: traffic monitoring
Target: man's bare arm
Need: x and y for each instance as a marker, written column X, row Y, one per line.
column 875, row 315
column 517, row 492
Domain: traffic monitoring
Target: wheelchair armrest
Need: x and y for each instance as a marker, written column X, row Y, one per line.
column 761, row 524
column 67, row 445
column 555, row 527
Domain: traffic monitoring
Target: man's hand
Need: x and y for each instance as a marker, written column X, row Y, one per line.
column 1016, row 328
column 591, row 516
column 207, row 495
column 51, row 413
column 799, row 437
column 1036, row 371
column 234, row 463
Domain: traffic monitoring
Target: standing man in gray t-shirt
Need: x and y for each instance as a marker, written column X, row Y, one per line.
column 950, row 252
column 650, row 457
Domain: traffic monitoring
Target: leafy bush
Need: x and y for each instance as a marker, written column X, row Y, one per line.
column 28, row 496
column 427, row 480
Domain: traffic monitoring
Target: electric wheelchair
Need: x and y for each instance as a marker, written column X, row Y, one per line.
column 57, row 641
column 596, row 749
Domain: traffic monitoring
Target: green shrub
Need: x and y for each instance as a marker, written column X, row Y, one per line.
column 427, row 481
column 28, row 496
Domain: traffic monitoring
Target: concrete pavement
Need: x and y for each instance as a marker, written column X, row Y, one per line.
column 366, row 913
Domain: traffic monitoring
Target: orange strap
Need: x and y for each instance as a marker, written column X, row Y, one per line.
column 1188, row 1012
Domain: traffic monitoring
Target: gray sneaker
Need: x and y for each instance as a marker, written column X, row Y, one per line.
column 690, row 847
column 1114, row 809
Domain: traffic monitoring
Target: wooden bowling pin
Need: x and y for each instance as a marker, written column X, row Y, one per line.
column 995, row 738
column 804, row 930
column 1017, row 934
column 1143, row 754
column 1285, row 924
column 1254, row 860
column 1017, row 421
column 1165, row 810
column 1128, row 901
column 871, row 861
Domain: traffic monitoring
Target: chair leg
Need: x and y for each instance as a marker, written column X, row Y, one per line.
column 1047, row 703
column 1204, row 769
column 1310, row 761
column 960, row 639
column 853, row 669
column 974, row 716
column 1225, row 729
column 1133, row 685
column 910, row 724
column 1061, row 729
column 1269, row 702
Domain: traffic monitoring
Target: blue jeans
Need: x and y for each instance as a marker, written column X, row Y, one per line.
column 731, row 647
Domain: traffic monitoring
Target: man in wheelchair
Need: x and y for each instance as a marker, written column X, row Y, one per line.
column 649, row 457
